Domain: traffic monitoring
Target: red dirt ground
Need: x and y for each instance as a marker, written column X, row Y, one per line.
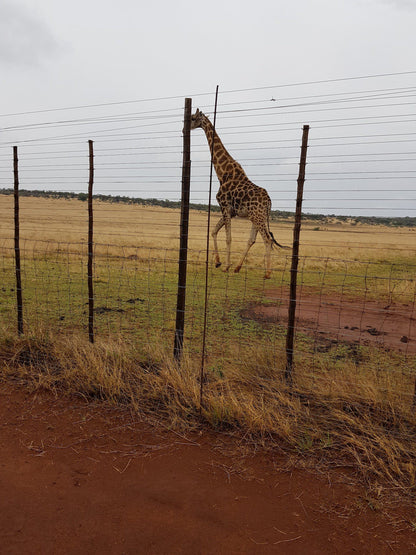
column 391, row 326
column 79, row 478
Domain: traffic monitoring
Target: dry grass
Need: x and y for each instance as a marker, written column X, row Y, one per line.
column 44, row 219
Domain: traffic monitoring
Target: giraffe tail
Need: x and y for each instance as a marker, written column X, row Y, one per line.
column 276, row 243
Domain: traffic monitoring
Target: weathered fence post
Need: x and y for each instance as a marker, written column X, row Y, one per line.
column 90, row 270
column 295, row 259
column 17, row 243
column 184, row 224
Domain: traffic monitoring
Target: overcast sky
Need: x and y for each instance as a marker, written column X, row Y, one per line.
column 60, row 54
column 55, row 53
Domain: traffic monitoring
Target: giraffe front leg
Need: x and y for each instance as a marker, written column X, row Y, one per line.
column 227, row 223
column 214, row 234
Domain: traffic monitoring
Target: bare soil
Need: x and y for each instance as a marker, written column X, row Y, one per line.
column 335, row 317
column 77, row 477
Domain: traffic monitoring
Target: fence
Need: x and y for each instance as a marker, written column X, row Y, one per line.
column 355, row 286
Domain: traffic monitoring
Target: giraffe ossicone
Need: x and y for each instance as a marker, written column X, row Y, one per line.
column 237, row 196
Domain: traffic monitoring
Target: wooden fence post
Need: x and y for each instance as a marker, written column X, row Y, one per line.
column 19, row 297
column 90, row 270
column 184, row 224
column 295, row 259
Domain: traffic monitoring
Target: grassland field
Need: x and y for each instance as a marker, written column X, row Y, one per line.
column 342, row 391
column 334, row 254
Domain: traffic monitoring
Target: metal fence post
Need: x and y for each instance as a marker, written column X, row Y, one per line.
column 295, row 259
column 184, row 224
column 90, row 245
column 204, row 334
column 19, row 297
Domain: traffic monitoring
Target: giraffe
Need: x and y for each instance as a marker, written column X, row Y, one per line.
column 237, row 196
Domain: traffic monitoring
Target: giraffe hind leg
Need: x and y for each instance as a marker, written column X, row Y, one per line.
column 250, row 243
column 268, row 242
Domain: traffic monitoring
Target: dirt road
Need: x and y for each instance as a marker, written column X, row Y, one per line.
column 85, row 479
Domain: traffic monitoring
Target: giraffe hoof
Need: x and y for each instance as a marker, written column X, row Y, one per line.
column 217, row 264
column 237, row 269
column 267, row 276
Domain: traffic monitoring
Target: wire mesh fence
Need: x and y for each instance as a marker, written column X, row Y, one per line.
column 356, row 287
column 348, row 314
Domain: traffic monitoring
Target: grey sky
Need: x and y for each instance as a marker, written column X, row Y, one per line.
column 57, row 54
column 24, row 38
column 99, row 50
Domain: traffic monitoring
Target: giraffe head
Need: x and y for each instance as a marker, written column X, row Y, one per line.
column 196, row 119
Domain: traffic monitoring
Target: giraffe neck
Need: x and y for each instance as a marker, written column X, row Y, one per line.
column 225, row 165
